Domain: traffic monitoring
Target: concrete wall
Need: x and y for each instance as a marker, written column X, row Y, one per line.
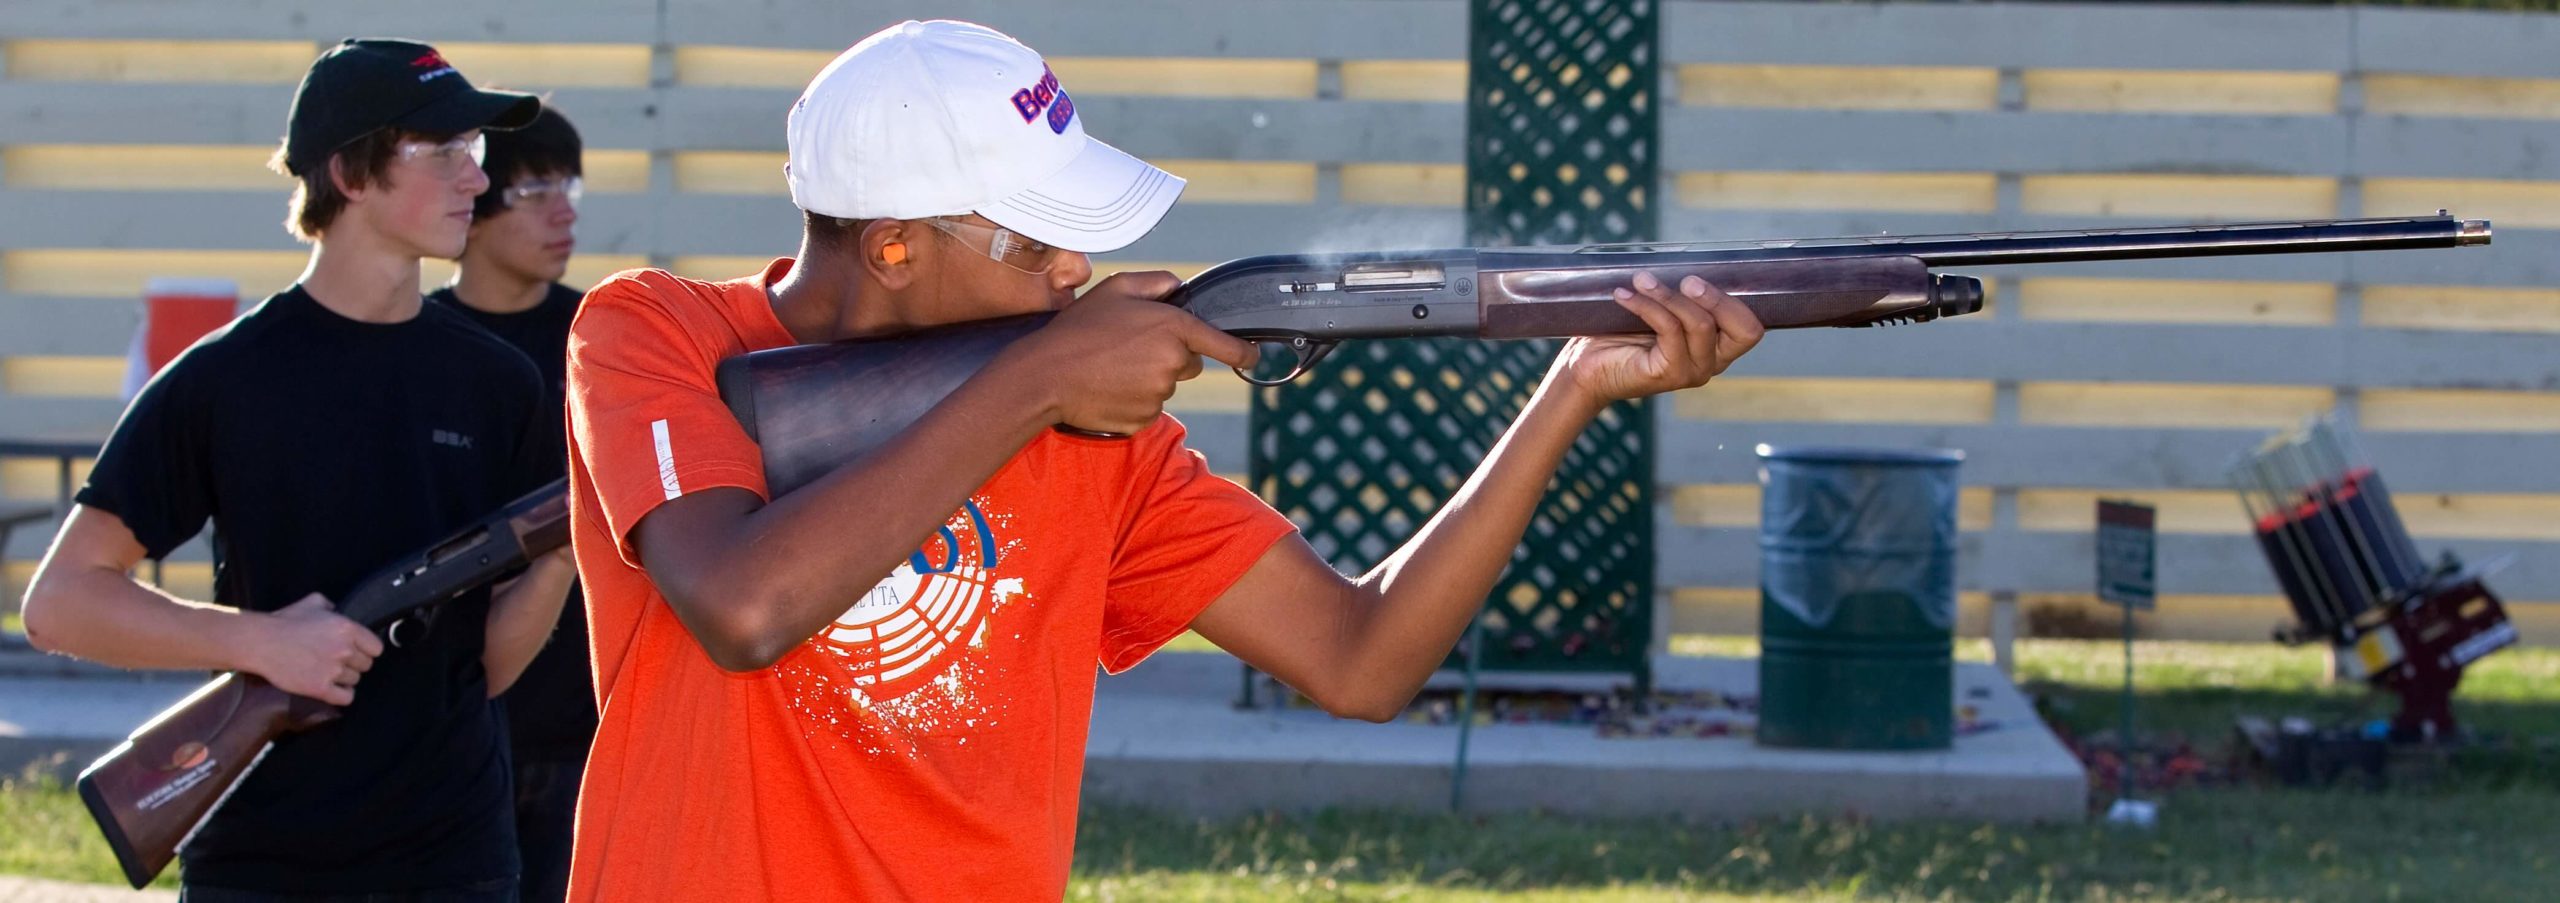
column 131, row 136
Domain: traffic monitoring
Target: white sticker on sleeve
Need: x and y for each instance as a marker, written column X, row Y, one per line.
column 666, row 460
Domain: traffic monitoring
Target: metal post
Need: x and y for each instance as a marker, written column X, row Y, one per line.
column 2124, row 782
column 1466, row 715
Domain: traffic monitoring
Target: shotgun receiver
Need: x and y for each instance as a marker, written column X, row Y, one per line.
column 800, row 405
column 151, row 792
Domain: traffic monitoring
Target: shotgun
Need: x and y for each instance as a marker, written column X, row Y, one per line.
column 801, row 405
column 151, row 792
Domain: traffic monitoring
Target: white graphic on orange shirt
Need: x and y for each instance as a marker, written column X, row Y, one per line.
column 908, row 658
column 908, row 622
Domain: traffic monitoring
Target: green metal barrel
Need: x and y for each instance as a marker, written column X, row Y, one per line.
column 1857, row 597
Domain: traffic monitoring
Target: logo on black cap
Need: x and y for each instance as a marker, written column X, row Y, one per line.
column 435, row 65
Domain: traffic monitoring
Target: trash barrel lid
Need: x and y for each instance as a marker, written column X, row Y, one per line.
column 1851, row 454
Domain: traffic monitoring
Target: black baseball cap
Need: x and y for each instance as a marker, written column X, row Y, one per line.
column 364, row 84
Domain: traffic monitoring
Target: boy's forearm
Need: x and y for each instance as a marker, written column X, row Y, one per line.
column 109, row 618
column 522, row 615
column 1420, row 600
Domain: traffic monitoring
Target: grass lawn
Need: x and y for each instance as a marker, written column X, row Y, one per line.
column 2485, row 835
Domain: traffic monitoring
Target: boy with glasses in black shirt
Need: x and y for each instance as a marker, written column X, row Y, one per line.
column 341, row 423
column 522, row 232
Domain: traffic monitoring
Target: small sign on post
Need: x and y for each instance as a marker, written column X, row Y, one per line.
column 2128, row 578
column 2128, row 546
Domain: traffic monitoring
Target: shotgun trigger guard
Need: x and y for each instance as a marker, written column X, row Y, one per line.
column 1308, row 352
column 418, row 623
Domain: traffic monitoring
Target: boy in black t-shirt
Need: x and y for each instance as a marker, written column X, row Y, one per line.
column 509, row 283
column 341, row 423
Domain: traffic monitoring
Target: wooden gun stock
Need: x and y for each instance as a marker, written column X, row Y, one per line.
column 151, row 792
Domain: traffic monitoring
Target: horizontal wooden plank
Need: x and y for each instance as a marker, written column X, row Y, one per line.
column 39, row 415
column 1694, row 451
column 2150, row 352
column 2493, row 309
column 2078, row 142
column 1324, row 29
column 2395, row 94
column 195, row 61
column 2171, row 406
column 1956, row 192
column 38, row 324
column 64, row 376
column 1696, row 138
column 2457, row 42
column 192, row 220
column 2194, row 91
column 2089, row 35
column 751, row 119
column 1744, row 396
column 1851, row 86
column 2460, row 410
column 607, row 21
column 2227, row 302
column 750, row 225
column 1379, row 131
column 2062, row 562
column 102, row 113
column 2425, row 146
column 2180, row 196
column 1304, row 29
column 2526, row 204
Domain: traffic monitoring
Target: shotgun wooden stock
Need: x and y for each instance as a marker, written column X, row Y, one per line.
column 151, row 792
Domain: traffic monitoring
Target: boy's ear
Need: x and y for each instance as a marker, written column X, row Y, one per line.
column 887, row 248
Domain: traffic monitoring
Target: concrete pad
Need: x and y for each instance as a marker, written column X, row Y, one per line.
column 1168, row 735
column 61, row 724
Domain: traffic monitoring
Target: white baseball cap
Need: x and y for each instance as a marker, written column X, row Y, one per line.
column 942, row 118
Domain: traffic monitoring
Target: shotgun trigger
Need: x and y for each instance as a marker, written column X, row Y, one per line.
column 1306, row 351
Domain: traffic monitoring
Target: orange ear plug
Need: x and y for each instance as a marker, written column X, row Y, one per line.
column 893, row 253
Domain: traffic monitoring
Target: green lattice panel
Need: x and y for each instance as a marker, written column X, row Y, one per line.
column 1561, row 124
column 1362, row 450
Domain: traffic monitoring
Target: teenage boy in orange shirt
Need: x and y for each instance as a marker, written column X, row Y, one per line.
column 877, row 686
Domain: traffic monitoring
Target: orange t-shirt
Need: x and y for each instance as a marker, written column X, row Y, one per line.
column 930, row 743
